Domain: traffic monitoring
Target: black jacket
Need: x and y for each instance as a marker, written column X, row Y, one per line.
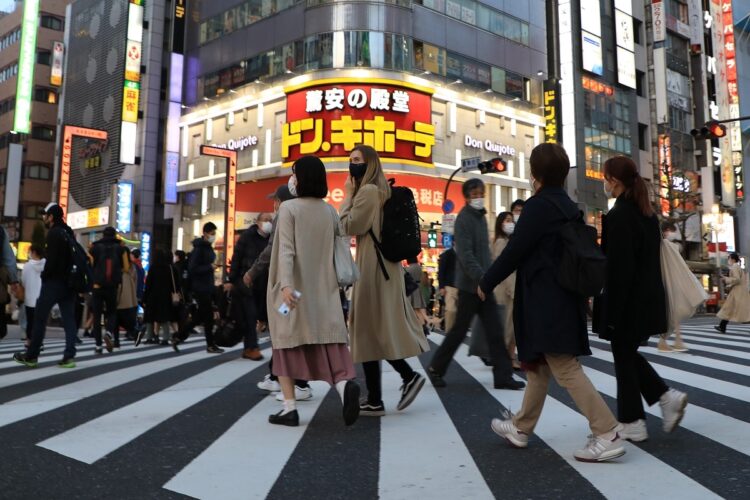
column 447, row 269
column 99, row 251
column 472, row 244
column 201, row 267
column 546, row 317
column 157, row 296
column 250, row 245
column 634, row 301
column 57, row 250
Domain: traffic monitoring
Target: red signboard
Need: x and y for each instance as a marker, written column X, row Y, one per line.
column 230, row 207
column 328, row 118
column 428, row 192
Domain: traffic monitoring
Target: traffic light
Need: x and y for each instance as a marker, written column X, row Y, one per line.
column 432, row 241
column 711, row 130
column 493, row 166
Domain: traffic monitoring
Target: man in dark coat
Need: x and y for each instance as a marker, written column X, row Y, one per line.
column 472, row 244
column 201, row 266
column 247, row 250
column 447, row 284
column 110, row 261
column 55, row 290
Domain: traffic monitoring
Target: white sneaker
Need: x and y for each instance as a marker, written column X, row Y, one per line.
column 600, row 449
column 635, row 432
column 673, row 403
column 300, row 394
column 269, row 385
column 507, row 430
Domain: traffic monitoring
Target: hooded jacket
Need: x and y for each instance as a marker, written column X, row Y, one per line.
column 201, row 266
column 57, row 266
column 32, row 281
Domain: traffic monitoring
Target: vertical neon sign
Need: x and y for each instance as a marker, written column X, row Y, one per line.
column 26, row 61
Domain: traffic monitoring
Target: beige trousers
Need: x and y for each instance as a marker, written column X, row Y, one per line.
column 451, row 307
column 569, row 374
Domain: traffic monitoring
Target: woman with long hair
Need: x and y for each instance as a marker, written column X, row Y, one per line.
column 308, row 332
column 505, row 291
column 382, row 321
column 633, row 306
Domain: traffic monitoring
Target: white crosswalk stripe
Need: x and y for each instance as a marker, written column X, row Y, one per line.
column 425, row 451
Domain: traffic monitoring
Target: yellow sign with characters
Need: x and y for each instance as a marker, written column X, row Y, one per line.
column 130, row 103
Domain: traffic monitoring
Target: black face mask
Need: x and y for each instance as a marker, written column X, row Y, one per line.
column 357, row 170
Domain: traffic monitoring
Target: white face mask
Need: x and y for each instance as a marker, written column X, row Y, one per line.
column 532, row 183
column 509, row 227
column 266, row 227
column 292, row 185
column 211, row 238
column 607, row 192
column 516, row 217
column 672, row 236
column 477, row 203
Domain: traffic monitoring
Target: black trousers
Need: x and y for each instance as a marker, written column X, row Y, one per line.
column 374, row 380
column 203, row 315
column 469, row 305
column 29, row 322
column 104, row 299
column 243, row 309
column 635, row 377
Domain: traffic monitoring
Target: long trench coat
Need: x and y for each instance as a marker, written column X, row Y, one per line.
column 737, row 306
column 383, row 323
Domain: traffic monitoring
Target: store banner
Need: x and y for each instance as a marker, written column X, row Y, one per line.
column 328, row 118
column 56, row 72
column 552, row 125
column 428, row 192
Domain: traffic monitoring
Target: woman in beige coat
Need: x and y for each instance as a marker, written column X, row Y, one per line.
column 505, row 291
column 308, row 332
column 737, row 306
column 382, row 320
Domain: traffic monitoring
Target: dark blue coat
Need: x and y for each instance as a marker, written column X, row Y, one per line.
column 547, row 318
column 634, row 302
column 201, row 267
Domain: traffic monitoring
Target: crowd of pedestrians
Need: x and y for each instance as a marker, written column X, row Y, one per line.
column 284, row 279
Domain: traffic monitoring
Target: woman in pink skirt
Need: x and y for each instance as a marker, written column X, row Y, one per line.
column 308, row 331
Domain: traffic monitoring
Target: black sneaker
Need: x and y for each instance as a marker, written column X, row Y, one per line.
column 98, row 350
column 139, row 337
column 108, row 341
column 117, row 344
column 67, row 363
column 164, row 342
column 78, row 340
column 435, row 378
column 512, row 385
column 410, row 390
column 351, row 402
column 20, row 357
column 291, row 419
column 718, row 329
column 212, row 349
column 174, row 341
column 370, row 410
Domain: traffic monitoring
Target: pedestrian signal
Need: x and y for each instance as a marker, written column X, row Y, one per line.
column 432, row 239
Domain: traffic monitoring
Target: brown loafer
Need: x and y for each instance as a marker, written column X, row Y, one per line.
column 253, row 354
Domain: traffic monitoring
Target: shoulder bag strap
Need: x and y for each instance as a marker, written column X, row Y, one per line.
column 171, row 275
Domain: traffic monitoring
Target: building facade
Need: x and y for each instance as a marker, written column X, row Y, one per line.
column 428, row 84
column 30, row 78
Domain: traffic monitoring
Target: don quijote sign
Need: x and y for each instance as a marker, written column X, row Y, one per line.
column 489, row 146
column 239, row 144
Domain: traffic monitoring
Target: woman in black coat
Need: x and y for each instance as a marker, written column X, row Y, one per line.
column 161, row 282
column 633, row 306
column 550, row 321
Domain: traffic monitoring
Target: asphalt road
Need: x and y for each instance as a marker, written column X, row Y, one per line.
column 148, row 423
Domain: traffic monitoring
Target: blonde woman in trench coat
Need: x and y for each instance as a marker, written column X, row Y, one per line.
column 383, row 324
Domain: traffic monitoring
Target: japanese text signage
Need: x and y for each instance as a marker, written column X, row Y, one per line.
column 26, row 63
column 329, row 117
column 552, row 127
column 124, row 211
column 230, row 208
column 131, row 86
column 69, row 132
column 659, row 24
column 665, row 170
column 130, row 102
column 56, row 73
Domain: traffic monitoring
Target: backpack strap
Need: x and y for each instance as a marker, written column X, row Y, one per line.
column 379, row 255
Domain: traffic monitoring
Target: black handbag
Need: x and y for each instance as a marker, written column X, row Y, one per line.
column 409, row 284
column 229, row 331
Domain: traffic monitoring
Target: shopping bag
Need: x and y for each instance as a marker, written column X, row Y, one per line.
column 684, row 292
column 478, row 345
column 347, row 272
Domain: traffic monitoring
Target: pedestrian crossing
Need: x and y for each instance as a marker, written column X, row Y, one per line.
column 149, row 423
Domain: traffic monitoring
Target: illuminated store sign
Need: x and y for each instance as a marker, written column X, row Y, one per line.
column 239, row 144
column 56, row 73
column 124, row 206
column 329, row 117
column 146, row 251
column 26, row 62
column 69, row 132
column 551, row 111
column 230, row 206
column 131, row 86
column 488, row 145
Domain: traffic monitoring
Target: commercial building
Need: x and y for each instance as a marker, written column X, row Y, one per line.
column 30, row 75
column 428, row 84
column 111, row 121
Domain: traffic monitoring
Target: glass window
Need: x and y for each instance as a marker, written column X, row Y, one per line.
column 215, row 27
column 514, row 85
column 397, row 52
column 43, row 133
column 203, row 36
column 454, row 69
column 357, row 49
column 498, row 80
column 283, row 4
column 438, row 5
column 469, row 12
column 513, row 29
column 268, row 8
column 434, row 59
column 484, row 16
column 497, row 23
column 52, row 23
column 254, row 8
column 44, row 57
column 45, row 95
column 453, row 9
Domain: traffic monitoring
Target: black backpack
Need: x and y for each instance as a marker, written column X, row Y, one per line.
column 80, row 276
column 583, row 266
column 400, row 237
column 108, row 265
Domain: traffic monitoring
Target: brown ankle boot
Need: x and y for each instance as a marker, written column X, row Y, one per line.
column 253, row 354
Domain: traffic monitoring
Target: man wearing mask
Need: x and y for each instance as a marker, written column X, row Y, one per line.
column 247, row 250
column 472, row 245
column 55, row 290
column 201, row 266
